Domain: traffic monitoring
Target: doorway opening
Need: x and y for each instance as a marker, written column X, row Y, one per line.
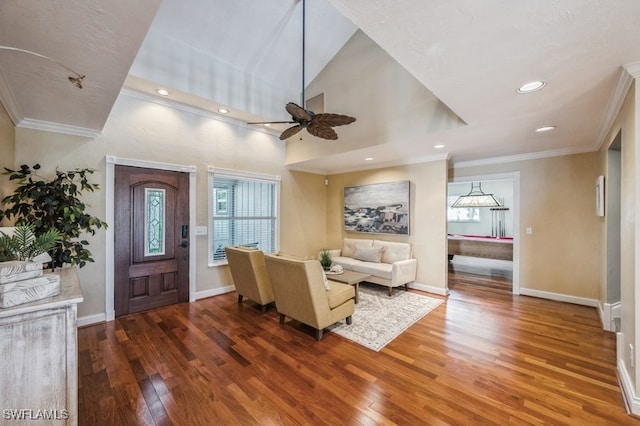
column 483, row 242
column 612, row 292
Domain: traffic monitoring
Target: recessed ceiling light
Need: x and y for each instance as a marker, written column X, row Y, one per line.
column 531, row 86
column 163, row 92
column 223, row 110
column 267, row 124
column 545, row 129
column 368, row 159
column 439, row 146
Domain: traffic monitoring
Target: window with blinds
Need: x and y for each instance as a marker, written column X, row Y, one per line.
column 244, row 210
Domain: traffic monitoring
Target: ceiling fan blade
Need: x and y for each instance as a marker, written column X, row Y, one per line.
column 332, row 120
column 290, row 132
column 297, row 112
column 322, row 131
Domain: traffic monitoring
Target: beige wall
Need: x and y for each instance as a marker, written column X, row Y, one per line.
column 7, row 150
column 428, row 215
column 142, row 130
column 557, row 200
column 626, row 123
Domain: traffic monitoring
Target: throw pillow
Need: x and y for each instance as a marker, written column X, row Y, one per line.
column 394, row 251
column 349, row 246
column 368, row 254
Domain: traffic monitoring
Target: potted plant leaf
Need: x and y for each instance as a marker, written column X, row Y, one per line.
column 54, row 204
column 23, row 245
column 325, row 259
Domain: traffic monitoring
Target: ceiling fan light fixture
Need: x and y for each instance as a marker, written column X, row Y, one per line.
column 476, row 198
column 319, row 125
column 532, row 86
column 77, row 81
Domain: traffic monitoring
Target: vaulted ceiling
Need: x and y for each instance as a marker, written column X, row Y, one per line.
column 415, row 73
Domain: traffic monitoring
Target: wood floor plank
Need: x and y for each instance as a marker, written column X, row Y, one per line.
column 484, row 357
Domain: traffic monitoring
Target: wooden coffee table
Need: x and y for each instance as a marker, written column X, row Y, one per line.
column 349, row 277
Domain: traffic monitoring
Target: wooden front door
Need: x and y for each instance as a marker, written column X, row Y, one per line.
column 151, row 238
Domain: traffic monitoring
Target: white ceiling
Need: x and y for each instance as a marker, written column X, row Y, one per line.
column 246, row 56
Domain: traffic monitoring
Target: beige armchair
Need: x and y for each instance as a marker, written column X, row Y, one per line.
column 299, row 292
column 249, row 275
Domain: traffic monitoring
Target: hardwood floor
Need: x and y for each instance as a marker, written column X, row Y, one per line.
column 484, row 357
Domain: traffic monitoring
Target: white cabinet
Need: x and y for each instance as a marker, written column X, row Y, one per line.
column 39, row 358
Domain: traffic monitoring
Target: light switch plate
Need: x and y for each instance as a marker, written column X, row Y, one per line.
column 201, row 230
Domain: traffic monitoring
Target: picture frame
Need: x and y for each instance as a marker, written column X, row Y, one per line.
column 600, row 196
column 379, row 208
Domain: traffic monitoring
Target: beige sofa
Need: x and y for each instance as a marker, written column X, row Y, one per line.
column 388, row 263
column 249, row 275
column 300, row 293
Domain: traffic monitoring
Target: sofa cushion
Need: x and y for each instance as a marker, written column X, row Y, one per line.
column 381, row 270
column 368, row 254
column 349, row 245
column 339, row 294
column 345, row 262
column 393, row 252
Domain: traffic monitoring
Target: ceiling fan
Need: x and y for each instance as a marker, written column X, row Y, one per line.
column 319, row 125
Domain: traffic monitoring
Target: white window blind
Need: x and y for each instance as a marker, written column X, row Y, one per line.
column 244, row 211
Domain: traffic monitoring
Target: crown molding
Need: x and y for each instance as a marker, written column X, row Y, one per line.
column 628, row 74
column 65, row 129
column 301, row 167
column 521, row 157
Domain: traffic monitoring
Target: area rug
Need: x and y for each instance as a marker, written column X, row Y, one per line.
column 378, row 318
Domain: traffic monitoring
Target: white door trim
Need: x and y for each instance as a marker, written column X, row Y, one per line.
column 110, row 175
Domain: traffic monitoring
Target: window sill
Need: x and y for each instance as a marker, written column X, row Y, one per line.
column 216, row 264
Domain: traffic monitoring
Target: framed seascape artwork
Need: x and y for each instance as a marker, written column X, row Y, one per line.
column 379, row 208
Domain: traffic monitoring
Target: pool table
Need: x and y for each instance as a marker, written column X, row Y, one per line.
column 481, row 246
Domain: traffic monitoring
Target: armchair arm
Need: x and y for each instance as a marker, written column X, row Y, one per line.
column 403, row 271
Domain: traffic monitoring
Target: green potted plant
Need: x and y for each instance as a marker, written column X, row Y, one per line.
column 24, row 245
column 325, row 259
column 54, row 204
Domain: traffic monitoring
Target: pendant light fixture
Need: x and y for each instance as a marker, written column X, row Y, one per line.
column 476, row 198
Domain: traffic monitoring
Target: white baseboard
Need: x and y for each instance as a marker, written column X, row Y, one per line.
column 430, row 289
column 559, row 297
column 105, row 317
column 91, row 319
column 630, row 398
column 213, row 292
column 608, row 313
